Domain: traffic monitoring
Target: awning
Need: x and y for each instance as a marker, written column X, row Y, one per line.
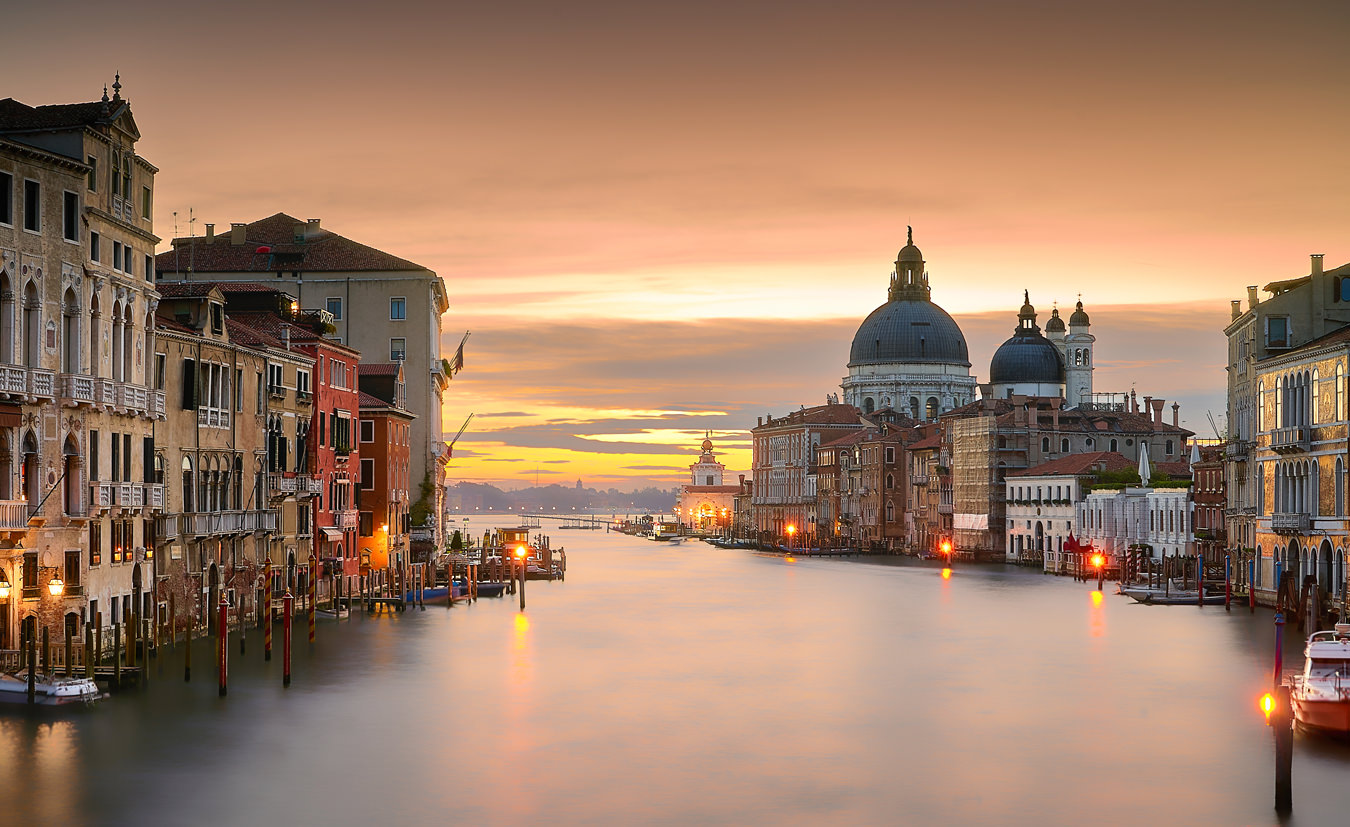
column 10, row 416
column 332, row 533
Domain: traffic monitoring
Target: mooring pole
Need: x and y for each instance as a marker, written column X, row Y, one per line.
column 1228, row 582
column 1282, row 720
column 32, row 667
column 1251, row 586
column 187, row 648
column 1200, row 579
column 89, row 650
column 68, row 652
column 287, row 609
column 222, row 641
column 267, row 615
column 313, row 592
column 1279, row 651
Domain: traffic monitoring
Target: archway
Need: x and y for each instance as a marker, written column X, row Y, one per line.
column 1040, row 537
column 32, row 327
column 6, row 319
column 95, row 321
column 30, row 471
column 1291, row 560
column 71, row 480
column 70, row 332
column 1326, row 567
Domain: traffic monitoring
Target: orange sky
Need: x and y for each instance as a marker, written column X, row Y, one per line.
column 650, row 208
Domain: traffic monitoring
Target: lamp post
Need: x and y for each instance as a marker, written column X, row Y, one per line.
column 791, row 530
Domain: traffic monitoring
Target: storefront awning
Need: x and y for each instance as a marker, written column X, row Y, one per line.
column 332, row 533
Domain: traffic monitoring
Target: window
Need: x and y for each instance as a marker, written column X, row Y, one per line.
column 302, row 383
column 95, row 543
column 1115, row 446
column 323, row 427
column 95, row 250
column 160, row 360
column 217, row 319
column 890, row 455
column 335, row 307
column 367, row 430
column 367, row 524
column 93, row 174
column 1277, row 331
column 70, row 216
column 275, row 385
column 93, row 456
column 6, row 198
column 1064, row 446
column 337, row 373
column 32, row 206
column 149, row 268
column 72, row 572
column 117, row 256
column 145, row 202
column 127, row 263
column 398, row 309
column 116, row 458
column 367, row 474
column 397, row 347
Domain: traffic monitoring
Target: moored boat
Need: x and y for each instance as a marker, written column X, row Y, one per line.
column 1169, row 597
column 1321, row 694
column 48, row 690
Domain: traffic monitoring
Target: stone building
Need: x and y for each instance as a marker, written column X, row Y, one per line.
column 909, row 354
column 1207, row 492
column 387, row 308
column 705, row 503
column 1297, row 312
column 1042, row 507
column 1300, row 452
column 783, row 466
column 78, row 393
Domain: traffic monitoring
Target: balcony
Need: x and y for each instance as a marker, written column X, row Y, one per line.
column 105, row 495
column 132, row 398
column 105, row 391
column 212, row 523
column 919, row 479
column 305, row 484
column 41, row 384
column 1289, row 523
column 281, row 484
column 13, row 515
column 1237, row 450
column 345, row 519
column 155, row 409
column 1289, row 440
column 77, row 390
column 13, row 380
column 303, row 396
column 212, row 418
column 276, row 391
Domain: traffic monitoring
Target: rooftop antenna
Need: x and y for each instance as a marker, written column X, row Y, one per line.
column 192, row 242
column 176, row 269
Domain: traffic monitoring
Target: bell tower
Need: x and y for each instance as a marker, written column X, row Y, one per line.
column 1078, row 362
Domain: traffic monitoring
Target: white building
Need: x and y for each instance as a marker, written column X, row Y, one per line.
column 1157, row 520
column 1042, row 507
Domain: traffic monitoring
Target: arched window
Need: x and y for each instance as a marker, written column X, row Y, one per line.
column 1340, row 488
column 1260, row 406
column 1045, row 444
column 32, row 327
column 72, row 496
column 1340, row 393
column 6, row 319
column 70, row 333
column 187, row 486
column 869, row 405
column 931, row 409
column 890, row 481
column 890, row 511
column 1314, row 413
column 95, row 320
column 1279, row 403
column 1169, row 446
column 914, row 407
column 1064, row 446
column 1115, row 446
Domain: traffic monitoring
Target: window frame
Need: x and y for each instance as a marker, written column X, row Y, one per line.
column 6, row 199
column 328, row 305
column 402, row 308
column 70, row 217
column 37, row 230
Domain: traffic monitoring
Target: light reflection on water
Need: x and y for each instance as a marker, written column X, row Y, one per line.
column 685, row 684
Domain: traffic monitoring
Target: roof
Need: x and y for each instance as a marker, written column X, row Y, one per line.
column 20, row 116
column 848, row 439
column 186, row 290
column 832, row 414
column 1077, row 464
column 710, row 489
column 379, row 369
column 244, row 334
column 927, row 443
column 270, row 246
column 909, row 331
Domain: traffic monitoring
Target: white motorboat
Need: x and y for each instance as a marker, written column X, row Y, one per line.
column 49, row 690
column 1321, row 694
column 1168, row 597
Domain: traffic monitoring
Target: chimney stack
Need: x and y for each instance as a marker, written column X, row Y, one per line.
column 1148, row 407
column 760, row 423
column 1317, row 264
column 210, row 233
column 1157, row 410
column 237, row 234
column 1176, row 414
column 1237, row 309
column 1252, row 299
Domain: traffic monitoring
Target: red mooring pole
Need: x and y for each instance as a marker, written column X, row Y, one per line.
column 287, row 605
column 313, row 595
column 222, row 640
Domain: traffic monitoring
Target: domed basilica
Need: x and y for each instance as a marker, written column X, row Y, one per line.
column 910, row 355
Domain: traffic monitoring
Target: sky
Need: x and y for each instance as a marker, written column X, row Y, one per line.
column 662, row 219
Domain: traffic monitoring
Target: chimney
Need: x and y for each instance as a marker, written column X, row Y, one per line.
column 1148, row 407
column 760, row 423
column 1176, row 414
column 742, row 480
column 313, row 224
column 1237, row 309
column 237, row 234
column 1252, row 300
column 1134, row 403
column 1157, row 410
column 210, row 233
column 1317, row 264
column 286, row 336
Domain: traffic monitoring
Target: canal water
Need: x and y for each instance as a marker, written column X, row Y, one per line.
column 683, row 684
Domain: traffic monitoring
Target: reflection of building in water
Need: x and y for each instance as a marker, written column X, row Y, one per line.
column 908, row 354
column 705, row 504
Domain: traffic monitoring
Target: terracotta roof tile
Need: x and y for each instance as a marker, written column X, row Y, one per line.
column 1075, row 464
column 270, row 246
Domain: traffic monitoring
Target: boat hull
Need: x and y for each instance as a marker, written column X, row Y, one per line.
column 1331, row 717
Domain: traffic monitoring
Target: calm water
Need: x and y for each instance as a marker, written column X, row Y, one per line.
column 680, row 685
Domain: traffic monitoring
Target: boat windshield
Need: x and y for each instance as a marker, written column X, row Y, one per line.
column 1328, row 668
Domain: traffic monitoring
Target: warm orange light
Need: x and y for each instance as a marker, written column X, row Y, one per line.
column 946, row 574
column 792, row 529
column 791, row 559
column 520, row 551
column 1098, row 560
column 946, row 546
column 1267, row 705
column 1097, row 597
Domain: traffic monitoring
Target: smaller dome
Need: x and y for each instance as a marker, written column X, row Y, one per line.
column 1055, row 324
column 1026, row 358
column 707, row 445
column 1079, row 317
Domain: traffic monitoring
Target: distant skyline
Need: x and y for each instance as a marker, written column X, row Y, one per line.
column 659, row 219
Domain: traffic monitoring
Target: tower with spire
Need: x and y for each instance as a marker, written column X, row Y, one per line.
column 1078, row 364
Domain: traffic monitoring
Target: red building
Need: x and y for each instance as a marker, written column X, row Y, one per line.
column 383, row 497
column 1209, row 492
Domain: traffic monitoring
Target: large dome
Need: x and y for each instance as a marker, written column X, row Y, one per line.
column 1026, row 357
column 909, row 330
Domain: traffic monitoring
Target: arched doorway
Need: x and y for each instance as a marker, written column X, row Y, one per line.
column 1326, row 567
column 1040, row 537
column 1291, row 560
column 95, row 322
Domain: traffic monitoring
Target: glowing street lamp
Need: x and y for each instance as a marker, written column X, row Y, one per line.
column 4, row 586
column 791, row 530
column 1099, row 563
column 55, row 586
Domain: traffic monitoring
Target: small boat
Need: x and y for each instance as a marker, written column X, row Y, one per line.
column 49, row 690
column 1321, row 695
column 491, row 589
column 1173, row 597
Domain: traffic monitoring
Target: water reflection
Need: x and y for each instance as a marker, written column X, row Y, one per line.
column 688, row 685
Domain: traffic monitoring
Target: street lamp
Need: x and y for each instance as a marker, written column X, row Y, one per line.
column 55, row 586
column 1098, row 562
column 4, row 585
column 791, row 530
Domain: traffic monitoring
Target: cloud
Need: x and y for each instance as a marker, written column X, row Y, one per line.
column 503, row 414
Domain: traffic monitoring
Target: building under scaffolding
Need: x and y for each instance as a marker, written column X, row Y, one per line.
column 977, row 489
